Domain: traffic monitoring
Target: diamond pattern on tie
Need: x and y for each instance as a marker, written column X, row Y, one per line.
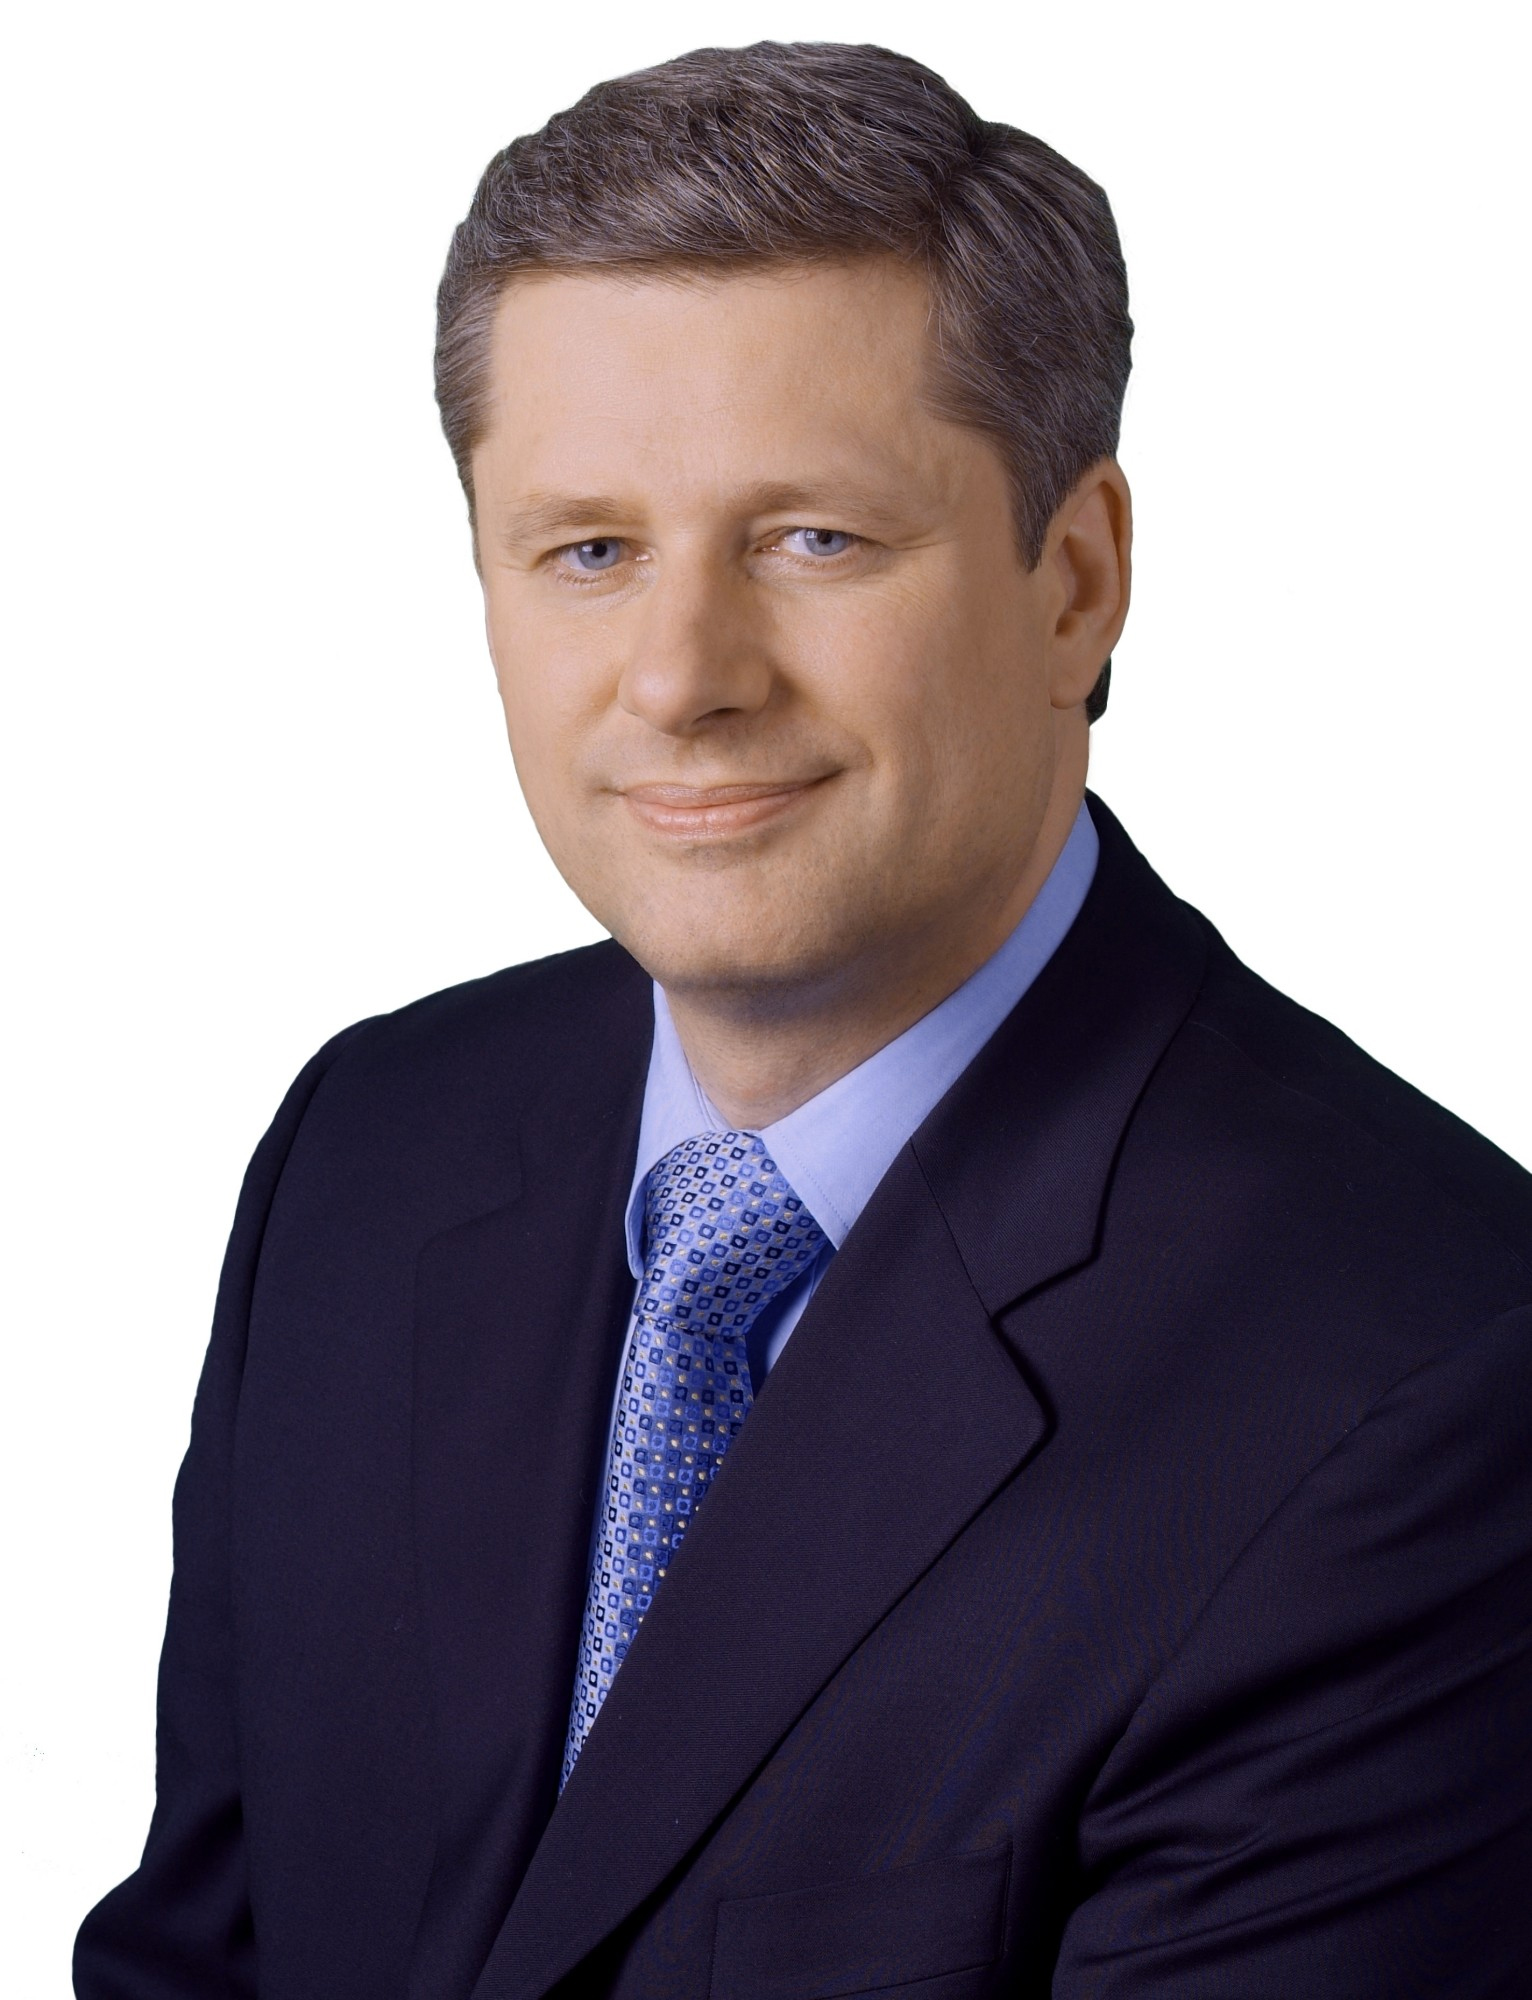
column 723, row 1234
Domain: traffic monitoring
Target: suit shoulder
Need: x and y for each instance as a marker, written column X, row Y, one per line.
column 551, row 1020
column 569, row 991
column 1435, row 1162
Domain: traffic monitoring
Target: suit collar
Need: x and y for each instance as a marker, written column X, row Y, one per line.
column 1020, row 1151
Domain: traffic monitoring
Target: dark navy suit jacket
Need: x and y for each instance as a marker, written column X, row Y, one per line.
column 1121, row 1587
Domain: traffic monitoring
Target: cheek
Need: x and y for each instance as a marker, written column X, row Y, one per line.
column 943, row 695
column 544, row 754
column 545, row 693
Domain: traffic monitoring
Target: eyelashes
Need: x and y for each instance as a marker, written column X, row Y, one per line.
column 815, row 538
column 598, row 556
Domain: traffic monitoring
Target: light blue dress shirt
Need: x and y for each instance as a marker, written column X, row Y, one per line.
column 837, row 1147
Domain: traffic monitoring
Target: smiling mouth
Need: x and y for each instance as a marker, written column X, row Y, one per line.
column 702, row 812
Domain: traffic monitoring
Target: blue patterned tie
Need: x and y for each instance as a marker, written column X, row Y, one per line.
column 723, row 1234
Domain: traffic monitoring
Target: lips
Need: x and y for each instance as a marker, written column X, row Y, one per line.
column 701, row 812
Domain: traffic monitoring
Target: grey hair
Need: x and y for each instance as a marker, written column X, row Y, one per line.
column 792, row 152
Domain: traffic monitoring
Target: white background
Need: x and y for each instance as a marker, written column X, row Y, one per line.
column 254, row 778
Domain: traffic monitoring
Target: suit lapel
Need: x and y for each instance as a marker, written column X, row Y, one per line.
column 519, row 1318
column 793, row 1559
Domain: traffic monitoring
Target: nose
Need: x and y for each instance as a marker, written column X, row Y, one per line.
column 698, row 653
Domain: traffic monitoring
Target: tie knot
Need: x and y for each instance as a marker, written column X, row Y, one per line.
column 723, row 1231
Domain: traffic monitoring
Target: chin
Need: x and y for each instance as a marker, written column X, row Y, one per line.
column 758, row 961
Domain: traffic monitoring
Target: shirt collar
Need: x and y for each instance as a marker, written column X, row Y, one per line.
column 837, row 1147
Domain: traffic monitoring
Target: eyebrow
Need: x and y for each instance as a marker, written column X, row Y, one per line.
column 551, row 513
column 543, row 513
column 822, row 497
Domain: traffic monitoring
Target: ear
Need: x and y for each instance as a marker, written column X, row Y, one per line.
column 1089, row 551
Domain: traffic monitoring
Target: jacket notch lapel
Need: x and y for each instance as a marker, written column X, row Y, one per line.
column 520, row 1315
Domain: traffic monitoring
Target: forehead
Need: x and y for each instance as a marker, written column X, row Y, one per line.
column 757, row 374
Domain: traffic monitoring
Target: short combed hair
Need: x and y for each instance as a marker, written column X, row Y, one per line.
column 792, row 152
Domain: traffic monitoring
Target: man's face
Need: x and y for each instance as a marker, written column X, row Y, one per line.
column 781, row 695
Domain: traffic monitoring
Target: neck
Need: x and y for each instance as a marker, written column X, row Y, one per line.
column 758, row 1061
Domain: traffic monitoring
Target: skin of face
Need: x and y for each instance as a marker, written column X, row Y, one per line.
column 793, row 719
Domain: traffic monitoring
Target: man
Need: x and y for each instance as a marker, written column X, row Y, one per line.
column 908, row 1425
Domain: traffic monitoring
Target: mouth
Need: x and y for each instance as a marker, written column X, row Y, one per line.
column 714, row 812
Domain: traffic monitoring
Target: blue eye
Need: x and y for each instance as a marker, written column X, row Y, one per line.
column 821, row 541
column 601, row 552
